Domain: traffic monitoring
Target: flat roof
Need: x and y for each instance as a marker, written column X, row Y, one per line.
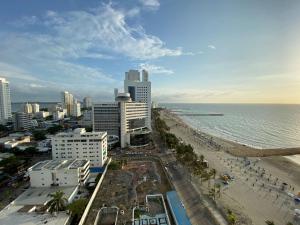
column 59, row 164
column 40, row 195
column 13, row 215
column 177, row 208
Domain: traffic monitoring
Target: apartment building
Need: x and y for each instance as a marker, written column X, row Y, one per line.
column 80, row 144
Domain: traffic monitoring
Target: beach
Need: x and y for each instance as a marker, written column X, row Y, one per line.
column 264, row 180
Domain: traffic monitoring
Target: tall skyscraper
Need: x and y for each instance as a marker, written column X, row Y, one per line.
column 5, row 102
column 139, row 90
column 67, row 100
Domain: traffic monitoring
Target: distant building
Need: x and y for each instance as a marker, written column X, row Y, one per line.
column 139, row 90
column 76, row 109
column 28, row 108
column 86, row 120
column 80, row 144
column 5, row 102
column 106, row 117
column 67, row 101
column 87, row 102
column 129, row 117
column 22, row 121
column 59, row 173
column 126, row 119
column 35, row 108
column 58, row 115
column 41, row 114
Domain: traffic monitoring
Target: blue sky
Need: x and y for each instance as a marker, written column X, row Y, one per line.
column 196, row 51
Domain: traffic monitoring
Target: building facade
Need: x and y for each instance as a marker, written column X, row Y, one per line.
column 5, row 102
column 35, row 108
column 80, row 144
column 59, row 173
column 22, row 121
column 106, row 117
column 139, row 90
column 67, row 100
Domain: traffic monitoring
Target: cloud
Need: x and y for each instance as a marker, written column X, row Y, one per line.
column 212, row 47
column 154, row 69
column 151, row 4
column 51, row 51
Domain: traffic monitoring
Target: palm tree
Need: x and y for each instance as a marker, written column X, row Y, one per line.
column 270, row 222
column 57, row 203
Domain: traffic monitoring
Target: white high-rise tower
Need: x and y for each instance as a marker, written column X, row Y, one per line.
column 5, row 102
column 139, row 90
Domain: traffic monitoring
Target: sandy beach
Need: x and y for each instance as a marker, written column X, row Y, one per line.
column 257, row 192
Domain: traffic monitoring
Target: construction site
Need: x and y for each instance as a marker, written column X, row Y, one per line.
column 126, row 188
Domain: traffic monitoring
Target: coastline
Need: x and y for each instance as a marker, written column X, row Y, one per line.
column 250, row 188
column 242, row 150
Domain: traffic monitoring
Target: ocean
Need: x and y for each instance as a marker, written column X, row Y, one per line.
column 257, row 125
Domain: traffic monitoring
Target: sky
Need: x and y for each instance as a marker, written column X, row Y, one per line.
column 195, row 51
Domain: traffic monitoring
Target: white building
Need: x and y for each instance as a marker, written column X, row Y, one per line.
column 134, row 119
column 126, row 119
column 59, row 173
column 5, row 102
column 87, row 102
column 139, row 90
column 76, row 112
column 80, row 144
column 58, row 115
column 28, row 108
column 35, row 108
column 67, row 101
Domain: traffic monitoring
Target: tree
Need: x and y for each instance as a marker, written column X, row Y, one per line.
column 39, row 135
column 77, row 208
column 270, row 222
column 54, row 129
column 57, row 203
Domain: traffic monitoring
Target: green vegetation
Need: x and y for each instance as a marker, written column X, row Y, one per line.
column 77, row 209
column 54, row 129
column 10, row 165
column 57, row 203
column 44, row 109
column 39, row 135
column 184, row 152
column 50, row 117
column 115, row 165
column 231, row 217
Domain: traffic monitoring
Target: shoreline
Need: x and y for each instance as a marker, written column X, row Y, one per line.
column 238, row 149
column 257, row 183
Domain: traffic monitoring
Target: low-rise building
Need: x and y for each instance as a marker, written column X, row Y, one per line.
column 80, row 144
column 59, row 173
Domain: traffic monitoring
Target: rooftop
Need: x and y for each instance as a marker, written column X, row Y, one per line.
column 40, row 195
column 59, row 164
column 177, row 208
column 13, row 215
column 81, row 132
